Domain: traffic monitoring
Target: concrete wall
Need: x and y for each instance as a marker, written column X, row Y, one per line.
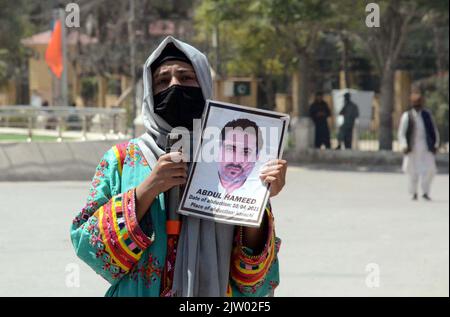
column 49, row 161
column 357, row 160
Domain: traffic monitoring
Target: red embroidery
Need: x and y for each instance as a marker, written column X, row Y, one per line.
column 149, row 271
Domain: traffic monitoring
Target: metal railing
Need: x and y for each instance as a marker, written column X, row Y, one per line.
column 99, row 121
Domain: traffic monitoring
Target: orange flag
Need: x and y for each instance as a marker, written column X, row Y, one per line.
column 53, row 54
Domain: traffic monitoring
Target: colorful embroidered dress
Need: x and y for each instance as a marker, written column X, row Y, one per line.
column 133, row 256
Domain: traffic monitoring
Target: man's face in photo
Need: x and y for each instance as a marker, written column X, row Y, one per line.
column 239, row 153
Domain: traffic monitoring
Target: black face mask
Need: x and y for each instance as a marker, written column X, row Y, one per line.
column 180, row 105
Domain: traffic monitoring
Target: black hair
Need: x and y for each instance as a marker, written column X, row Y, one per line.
column 244, row 124
column 169, row 53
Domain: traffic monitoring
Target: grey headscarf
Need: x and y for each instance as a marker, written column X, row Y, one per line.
column 204, row 248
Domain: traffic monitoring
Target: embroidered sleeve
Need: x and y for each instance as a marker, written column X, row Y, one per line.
column 255, row 274
column 106, row 234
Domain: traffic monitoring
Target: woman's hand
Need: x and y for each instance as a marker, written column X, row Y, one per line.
column 169, row 171
column 274, row 173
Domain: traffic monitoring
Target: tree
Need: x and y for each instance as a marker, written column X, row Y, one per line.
column 107, row 21
column 385, row 46
column 249, row 44
column 12, row 28
column 267, row 37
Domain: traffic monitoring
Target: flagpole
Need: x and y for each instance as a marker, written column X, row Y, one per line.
column 64, row 96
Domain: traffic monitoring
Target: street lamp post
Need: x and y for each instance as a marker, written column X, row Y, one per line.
column 132, row 43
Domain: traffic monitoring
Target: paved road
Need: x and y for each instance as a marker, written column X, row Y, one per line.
column 344, row 234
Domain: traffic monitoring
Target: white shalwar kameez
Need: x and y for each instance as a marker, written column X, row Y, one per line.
column 420, row 163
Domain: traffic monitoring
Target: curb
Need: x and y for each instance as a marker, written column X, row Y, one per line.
column 50, row 161
column 359, row 160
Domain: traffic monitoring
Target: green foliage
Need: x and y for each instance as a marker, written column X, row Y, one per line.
column 261, row 36
column 437, row 100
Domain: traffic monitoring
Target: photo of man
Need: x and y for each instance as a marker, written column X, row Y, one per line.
column 227, row 181
column 240, row 145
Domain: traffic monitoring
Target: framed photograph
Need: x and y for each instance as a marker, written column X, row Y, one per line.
column 236, row 143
